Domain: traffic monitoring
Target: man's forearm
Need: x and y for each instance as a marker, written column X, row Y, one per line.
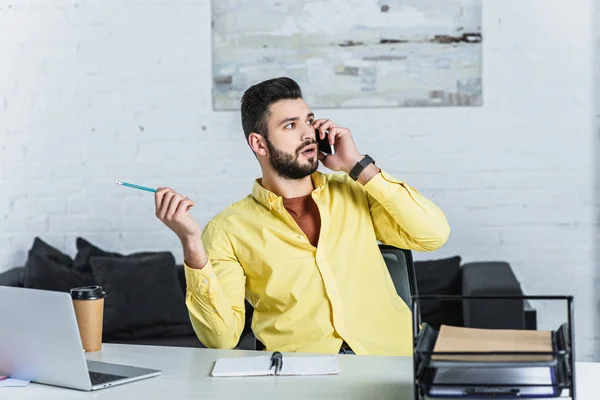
column 367, row 174
column 194, row 254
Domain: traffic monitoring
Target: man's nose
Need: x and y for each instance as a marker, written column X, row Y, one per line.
column 308, row 133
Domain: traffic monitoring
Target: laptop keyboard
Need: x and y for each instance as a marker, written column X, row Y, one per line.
column 99, row 378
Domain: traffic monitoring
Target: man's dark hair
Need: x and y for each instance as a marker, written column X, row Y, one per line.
column 258, row 98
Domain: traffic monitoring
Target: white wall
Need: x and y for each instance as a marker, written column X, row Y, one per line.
column 93, row 91
column 596, row 146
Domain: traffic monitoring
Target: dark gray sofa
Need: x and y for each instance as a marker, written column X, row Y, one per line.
column 480, row 278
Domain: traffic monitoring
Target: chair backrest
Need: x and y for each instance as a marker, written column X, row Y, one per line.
column 402, row 270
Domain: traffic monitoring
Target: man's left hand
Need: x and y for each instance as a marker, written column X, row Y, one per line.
column 346, row 156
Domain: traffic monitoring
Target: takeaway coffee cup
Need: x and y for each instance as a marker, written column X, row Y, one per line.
column 89, row 310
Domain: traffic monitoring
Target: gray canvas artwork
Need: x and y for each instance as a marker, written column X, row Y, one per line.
column 350, row 53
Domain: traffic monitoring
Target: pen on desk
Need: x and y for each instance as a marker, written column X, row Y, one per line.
column 277, row 361
column 135, row 186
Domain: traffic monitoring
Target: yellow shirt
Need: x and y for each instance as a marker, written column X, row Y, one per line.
column 306, row 298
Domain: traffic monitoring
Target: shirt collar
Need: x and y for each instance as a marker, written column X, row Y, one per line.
column 270, row 200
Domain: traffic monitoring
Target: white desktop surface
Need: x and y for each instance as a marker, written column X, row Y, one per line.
column 186, row 375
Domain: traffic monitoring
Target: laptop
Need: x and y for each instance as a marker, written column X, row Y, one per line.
column 40, row 342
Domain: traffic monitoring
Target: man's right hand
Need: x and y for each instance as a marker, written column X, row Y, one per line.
column 173, row 210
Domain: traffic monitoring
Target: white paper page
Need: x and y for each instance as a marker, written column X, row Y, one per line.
column 534, row 375
column 309, row 366
column 242, row 366
column 260, row 366
column 10, row 382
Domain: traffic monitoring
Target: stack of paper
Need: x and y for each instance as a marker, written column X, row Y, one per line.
column 453, row 339
column 11, row 382
column 485, row 374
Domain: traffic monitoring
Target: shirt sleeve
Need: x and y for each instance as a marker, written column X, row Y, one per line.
column 215, row 293
column 404, row 218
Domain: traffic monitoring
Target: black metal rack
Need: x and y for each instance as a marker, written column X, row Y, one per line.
column 561, row 361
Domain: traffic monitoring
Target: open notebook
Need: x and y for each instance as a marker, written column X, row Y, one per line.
column 260, row 366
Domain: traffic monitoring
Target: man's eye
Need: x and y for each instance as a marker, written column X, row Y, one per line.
column 309, row 122
column 290, row 126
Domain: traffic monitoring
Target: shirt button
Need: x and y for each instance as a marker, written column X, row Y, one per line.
column 299, row 237
column 204, row 281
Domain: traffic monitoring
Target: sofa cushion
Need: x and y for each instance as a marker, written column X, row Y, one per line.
column 86, row 251
column 181, row 277
column 440, row 277
column 44, row 249
column 141, row 292
column 47, row 268
column 12, row 277
column 492, row 278
column 179, row 341
column 154, row 331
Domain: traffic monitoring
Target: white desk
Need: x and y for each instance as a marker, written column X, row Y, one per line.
column 186, row 375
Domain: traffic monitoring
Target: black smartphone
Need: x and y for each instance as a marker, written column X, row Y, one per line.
column 324, row 145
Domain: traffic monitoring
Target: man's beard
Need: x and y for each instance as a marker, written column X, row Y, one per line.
column 288, row 166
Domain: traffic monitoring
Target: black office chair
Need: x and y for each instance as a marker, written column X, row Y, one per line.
column 402, row 271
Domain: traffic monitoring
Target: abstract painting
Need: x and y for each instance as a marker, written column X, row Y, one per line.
column 350, row 53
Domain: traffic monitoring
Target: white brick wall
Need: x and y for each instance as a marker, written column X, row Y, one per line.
column 93, row 91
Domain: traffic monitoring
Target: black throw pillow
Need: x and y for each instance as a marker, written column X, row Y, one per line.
column 47, row 268
column 154, row 331
column 51, row 253
column 140, row 292
column 440, row 277
column 86, row 251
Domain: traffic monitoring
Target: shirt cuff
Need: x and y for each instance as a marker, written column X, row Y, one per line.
column 199, row 280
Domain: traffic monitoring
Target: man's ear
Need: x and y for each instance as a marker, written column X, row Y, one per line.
column 257, row 143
